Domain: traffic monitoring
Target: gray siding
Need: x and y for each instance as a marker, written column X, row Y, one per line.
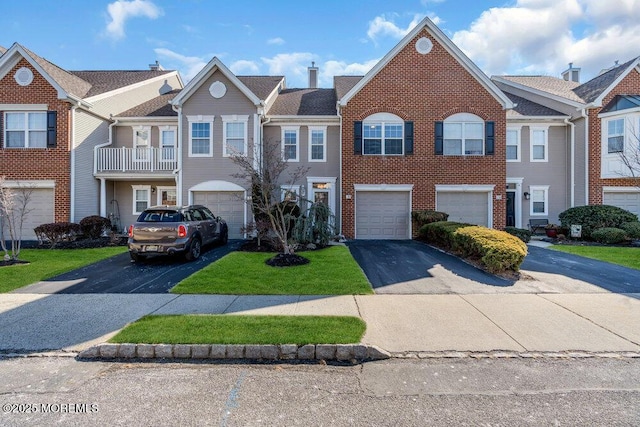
column 90, row 131
column 123, row 134
column 553, row 173
column 122, row 193
column 201, row 169
column 580, row 164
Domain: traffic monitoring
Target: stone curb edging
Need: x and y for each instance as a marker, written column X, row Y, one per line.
column 515, row 355
column 283, row 352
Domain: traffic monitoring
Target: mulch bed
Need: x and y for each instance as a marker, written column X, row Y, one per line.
column 287, row 260
column 5, row 263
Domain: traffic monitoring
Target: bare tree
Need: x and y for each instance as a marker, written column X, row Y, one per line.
column 264, row 172
column 14, row 209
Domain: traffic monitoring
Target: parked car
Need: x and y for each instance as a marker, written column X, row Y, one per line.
column 172, row 230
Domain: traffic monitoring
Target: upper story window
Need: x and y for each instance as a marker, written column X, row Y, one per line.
column 382, row 134
column 141, row 142
column 200, row 136
column 25, row 129
column 290, row 143
column 464, row 134
column 539, row 140
column 168, row 143
column 317, row 143
column 513, row 145
column 615, row 136
column 234, row 128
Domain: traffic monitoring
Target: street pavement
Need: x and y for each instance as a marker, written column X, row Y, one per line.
column 541, row 314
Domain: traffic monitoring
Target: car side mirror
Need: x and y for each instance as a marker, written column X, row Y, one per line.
column 218, row 219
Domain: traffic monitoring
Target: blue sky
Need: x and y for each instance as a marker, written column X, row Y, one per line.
column 342, row 37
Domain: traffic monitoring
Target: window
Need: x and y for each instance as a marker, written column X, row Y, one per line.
column 235, row 135
column 141, row 198
column 463, row 134
column 615, row 136
column 290, row 143
column 318, row 144
column 167, row 196
column 200, row 136
column 539, row 139
column 382, row 138
column 167, row 143
column 539, row 200
column 290, row 193
column 141, row 138
column 26, row 129
column 513, row 145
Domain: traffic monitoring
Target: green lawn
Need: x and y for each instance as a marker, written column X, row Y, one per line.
column 234, row 329
column 331, row 271
column 628, row 257
column 47, row 263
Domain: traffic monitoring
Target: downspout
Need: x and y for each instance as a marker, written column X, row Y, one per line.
column 584, row 114
column 573, row 161
column 340, row 168
column 178, row 171
column 72, row 177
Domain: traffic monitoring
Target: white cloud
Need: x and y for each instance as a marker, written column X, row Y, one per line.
column 276, row 40
column 381, row 26
column 244, row 67
column 341, row 68
column 543, row 36
column 122, row 10
column 293, row 65
column 188, row 66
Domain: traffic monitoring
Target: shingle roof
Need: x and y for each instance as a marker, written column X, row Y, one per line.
column 552, row 85
column 108, row 80
column 344, row 84
column 261, row 86
column 592, row 89
column 305, row 102
column 158, row 106
column 526, row 108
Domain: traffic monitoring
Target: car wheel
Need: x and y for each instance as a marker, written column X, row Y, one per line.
column 194, row 250
column 137, row 257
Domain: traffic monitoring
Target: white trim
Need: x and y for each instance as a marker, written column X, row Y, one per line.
column 535, row 91
column 463, row 119
column 304, row 120
column 331, row 190
column 620, row 190
column 383, row 119
column 201, row 119
column 324, row 143
column 133, row 86
column 619, row 113
column 234, row 118
column 295, row 189
column 518, row 199
column 145, row 155
column 24, row 107
column 383, row 187
column 160, row 189
column 45, row 183
column 449, row 46
column 161, row 146
column 598, row 101
column 297, row 131
column 544, row 188
column 216, row 185
column 471, row 188
column 533, row 129
column 26, row 130
column 134, row 188
column 518, row 144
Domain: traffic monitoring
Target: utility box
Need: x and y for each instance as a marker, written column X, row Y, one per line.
column 576, row 231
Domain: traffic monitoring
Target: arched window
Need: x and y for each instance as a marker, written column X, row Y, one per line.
column 463, row 135
column 383, row 134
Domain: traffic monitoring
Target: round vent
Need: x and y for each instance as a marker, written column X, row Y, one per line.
column 217, row 89
column 424, row 45
column 23, row 76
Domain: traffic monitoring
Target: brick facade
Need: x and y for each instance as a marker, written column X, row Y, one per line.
column 630, row 84
column 423, row 89
column 38, row 163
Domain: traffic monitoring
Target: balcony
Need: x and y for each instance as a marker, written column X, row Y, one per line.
column 135, row 161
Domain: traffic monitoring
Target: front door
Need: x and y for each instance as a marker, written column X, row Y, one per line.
column 511, row 208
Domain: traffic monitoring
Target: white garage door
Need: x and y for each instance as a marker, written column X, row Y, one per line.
column 469, row 207
column 229, row 205
column 629, row 201
column 41, row 211
column 382, row 215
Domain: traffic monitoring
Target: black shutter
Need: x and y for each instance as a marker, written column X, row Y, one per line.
column 357, row 138
column 489, row 138
column 52, row 134
column 408, row 138
column 2, row 130
column 439, row 136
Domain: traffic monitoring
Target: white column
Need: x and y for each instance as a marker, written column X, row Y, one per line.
column 103, row 197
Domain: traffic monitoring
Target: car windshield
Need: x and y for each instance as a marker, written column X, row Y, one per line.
column 160, row 216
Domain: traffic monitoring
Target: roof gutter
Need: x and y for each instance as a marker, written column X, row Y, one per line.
column 339, row 114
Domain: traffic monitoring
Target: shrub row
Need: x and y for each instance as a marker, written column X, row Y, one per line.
column 91, row 227
column 427, row 217
column 521, row 233
column 498, row 251
column 594, row 217
column 609, row 235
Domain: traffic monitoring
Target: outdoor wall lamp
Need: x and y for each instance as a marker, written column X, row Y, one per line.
column 527, row 196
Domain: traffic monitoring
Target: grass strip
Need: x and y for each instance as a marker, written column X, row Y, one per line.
column 625, row 256
column 242, row 329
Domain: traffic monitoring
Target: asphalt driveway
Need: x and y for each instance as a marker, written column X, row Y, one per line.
column 411, row 267
column 119, row 275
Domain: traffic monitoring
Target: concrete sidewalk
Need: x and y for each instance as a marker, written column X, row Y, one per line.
column 602, row 322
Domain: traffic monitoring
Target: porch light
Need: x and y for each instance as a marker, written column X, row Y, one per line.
column 527, row 196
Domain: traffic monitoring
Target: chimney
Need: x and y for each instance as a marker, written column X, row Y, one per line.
column 156, row 67
column 313, row 76
column 571, row 74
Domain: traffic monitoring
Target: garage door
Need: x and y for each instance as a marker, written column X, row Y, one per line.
column 229, row 205
column 469, row 207
column 629, row 201
column 382, row 215
column 41, row 211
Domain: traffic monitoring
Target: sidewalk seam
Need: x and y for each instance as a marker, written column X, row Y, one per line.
column 163, row 305
column 230, row 304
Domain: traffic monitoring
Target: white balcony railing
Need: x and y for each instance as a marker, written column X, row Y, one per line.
column 147, row 159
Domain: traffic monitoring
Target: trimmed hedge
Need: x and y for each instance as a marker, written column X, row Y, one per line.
column 594, row 217
column 57, row 232
column 427, row 217
column 93, row 226
column 609, row 235
column 498, row 250
column 632, row 229
column 521, row 233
